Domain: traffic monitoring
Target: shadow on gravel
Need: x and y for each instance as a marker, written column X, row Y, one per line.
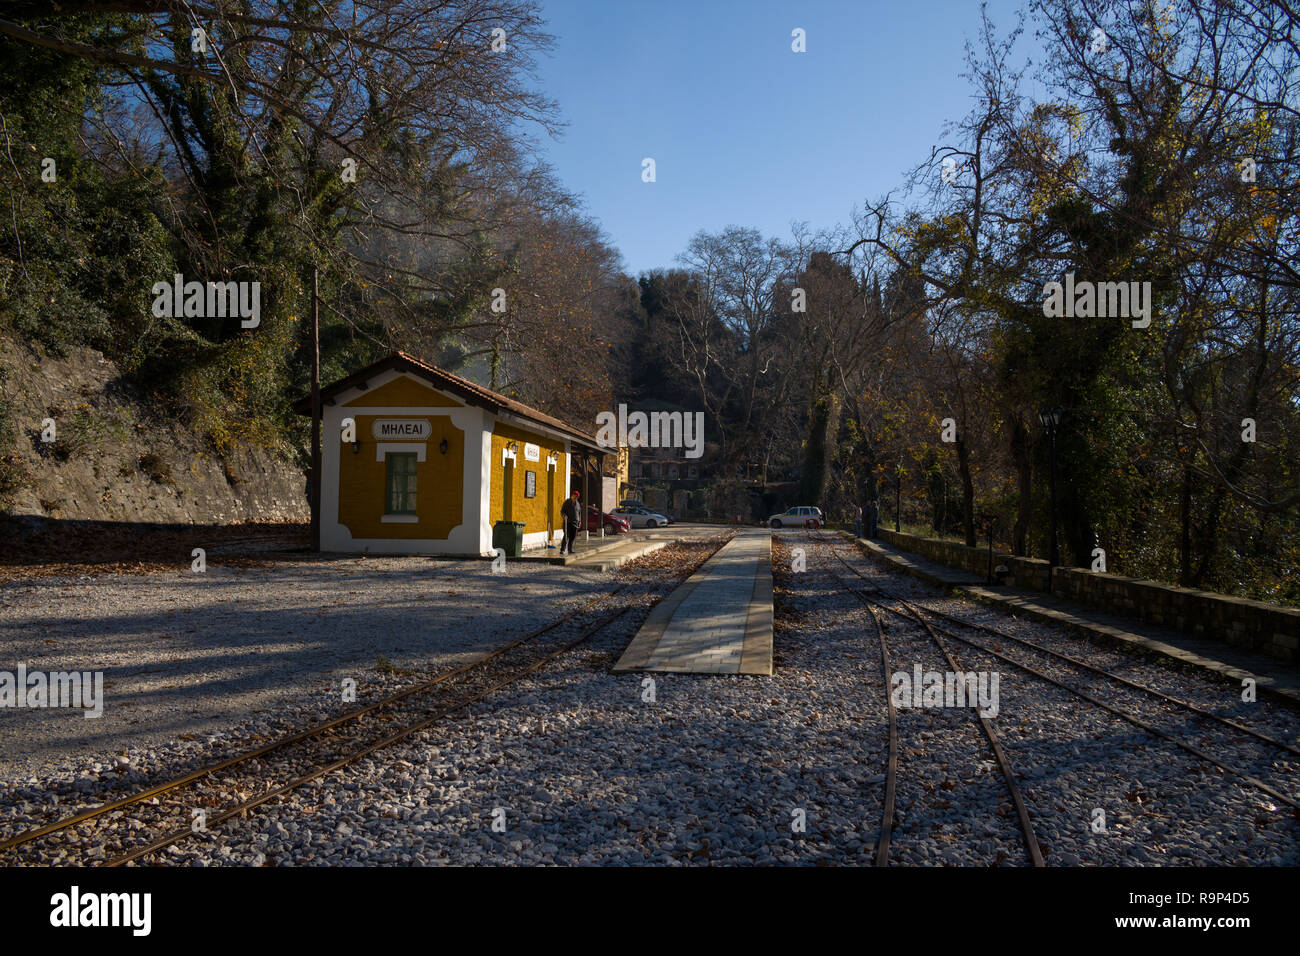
column 197, row 648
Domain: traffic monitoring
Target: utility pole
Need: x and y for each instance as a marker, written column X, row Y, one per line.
column 315, row 410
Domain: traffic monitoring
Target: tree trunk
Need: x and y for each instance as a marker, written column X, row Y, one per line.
column 812, row 487
column 1185, row 536
column 967, row 493
column 1235, row 467
column 1021, row 452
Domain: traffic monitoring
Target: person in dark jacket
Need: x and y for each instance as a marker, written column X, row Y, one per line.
column 571, row 511
column 873, row 518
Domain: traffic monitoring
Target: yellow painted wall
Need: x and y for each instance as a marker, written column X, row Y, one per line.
column 403, row 391
column 440, row 479
column 513, row 506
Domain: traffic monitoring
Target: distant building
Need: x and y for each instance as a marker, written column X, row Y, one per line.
column 664, row 464
column 663, row 477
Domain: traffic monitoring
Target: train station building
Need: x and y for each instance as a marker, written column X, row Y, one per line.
column 431, row 461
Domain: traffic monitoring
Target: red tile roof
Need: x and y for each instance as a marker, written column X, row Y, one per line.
column 471, row 392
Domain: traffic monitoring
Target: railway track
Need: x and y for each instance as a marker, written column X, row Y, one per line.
column 919, row 612
column 133, row 827
column 1032, row 848
column 891, row 770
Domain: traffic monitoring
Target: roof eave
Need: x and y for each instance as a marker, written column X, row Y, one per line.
column 400, row 361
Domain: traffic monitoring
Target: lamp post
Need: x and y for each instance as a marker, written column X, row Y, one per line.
column 1051, row 419
column 989, row 523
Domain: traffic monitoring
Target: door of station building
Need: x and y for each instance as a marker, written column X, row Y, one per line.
column 508, row 491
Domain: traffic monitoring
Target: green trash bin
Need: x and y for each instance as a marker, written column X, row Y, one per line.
column 509, row 536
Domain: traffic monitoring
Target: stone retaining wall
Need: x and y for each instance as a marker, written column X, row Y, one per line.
column 1028, row 573
column 1265, row 628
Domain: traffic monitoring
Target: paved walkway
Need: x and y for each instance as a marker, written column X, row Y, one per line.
column 717, row 622
column 1272, row 676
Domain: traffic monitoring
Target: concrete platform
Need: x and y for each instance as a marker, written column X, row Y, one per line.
column 612, row 551
column 1271, row 676
column 603, row 554
column 717, row 622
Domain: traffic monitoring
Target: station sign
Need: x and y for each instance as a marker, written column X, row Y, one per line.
column 402, row 429
column 532, row 452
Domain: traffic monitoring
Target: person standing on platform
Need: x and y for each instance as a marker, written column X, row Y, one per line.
column 873, row 518
column 571, row 512
column 857, row 521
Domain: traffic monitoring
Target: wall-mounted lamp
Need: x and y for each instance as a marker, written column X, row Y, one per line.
column 442, row 446
column 513, row 446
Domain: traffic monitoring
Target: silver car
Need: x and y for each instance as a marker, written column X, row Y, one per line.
column 797, row 518
column 640, row 518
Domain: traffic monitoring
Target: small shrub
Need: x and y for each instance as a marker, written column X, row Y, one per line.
column 385, row 666
column 13, row 470
column 13, row 475
column 156, row 468
column 85, row 430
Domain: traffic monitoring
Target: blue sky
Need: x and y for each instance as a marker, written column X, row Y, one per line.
column 743, row 130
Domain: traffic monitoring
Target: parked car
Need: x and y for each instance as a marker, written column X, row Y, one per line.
column 641, row 518
column 797, row 518
column 613, row 523
column 633, row 503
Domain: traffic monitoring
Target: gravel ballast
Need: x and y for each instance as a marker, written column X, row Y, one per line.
column 187, row 654
column 575, row 765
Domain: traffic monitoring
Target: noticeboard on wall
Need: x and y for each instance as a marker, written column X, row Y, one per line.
column 530, row 484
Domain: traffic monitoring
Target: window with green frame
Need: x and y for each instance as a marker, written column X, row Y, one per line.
column 401, row 483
